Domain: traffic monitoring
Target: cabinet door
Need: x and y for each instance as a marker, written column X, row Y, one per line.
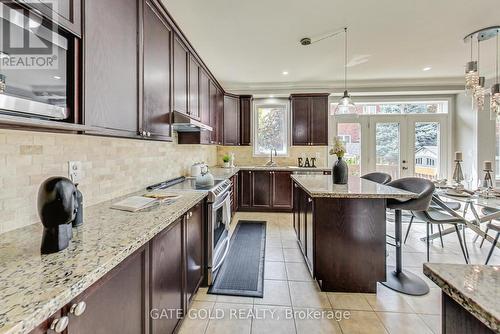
column 302, row 220
column 180, row 76
column 213, row 112
column 245, row 120
column 245, row 189
column 282, row 190
column 115, row 302
column 300, row 120
column 309, row 233
column 205, row 136
column 111, row 71
column 194, row 91
column 231, row 121
column 261, row 189
column 319, row 121
column 157, row 37
column 296, row 208
column 220, row 117
column 166, row 278
column 66, row 13
column 194, row 249
column 235, row 194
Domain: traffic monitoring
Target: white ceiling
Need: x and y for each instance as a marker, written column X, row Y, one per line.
column 248, row 44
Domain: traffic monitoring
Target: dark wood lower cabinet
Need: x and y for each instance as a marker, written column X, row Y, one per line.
column 245, row 189
column 282, row 190
column 150, row 291
column 457, row 320
column 261, row 189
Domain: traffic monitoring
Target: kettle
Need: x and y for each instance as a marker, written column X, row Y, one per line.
column 196, row 168
column 205, row 178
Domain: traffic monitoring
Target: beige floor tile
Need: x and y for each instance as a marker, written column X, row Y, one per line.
column 290, row 244
column 274, row 254
column 202, row 295
column 234, row 299
column 432, row 321
column 196, row 320
column 298, row 271
column 273, row 242
column 273, row 320
column 387, row 300
column 293, row 255
column 428, row 304
column 397, row 323
column 289, row 235
column 230, row 318
column 317, row 321
column 275, row 270
column 307, row 294
column 275, row 293
column 349, row 301
column 362, row 322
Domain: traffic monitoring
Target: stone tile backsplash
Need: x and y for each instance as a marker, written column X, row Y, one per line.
column 112, row 167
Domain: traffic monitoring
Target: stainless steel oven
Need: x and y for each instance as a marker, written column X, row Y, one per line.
column 219, row 218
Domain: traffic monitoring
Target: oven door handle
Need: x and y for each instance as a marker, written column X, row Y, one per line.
column 221, row 261
column 221, row 203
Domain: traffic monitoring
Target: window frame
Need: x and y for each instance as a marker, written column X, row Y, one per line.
column 270, row 103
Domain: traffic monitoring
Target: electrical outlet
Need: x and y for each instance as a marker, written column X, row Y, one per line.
column 75, row 171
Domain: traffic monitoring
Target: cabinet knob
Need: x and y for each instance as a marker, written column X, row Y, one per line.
column 78, row 309
column 143, row 133
column 249, row 172
column 309, row 200
column 149, row 134
column 59, row 325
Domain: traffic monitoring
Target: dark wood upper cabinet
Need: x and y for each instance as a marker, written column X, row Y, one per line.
column 309, row 119
column 204, row 84
column 111, row 66
column 114, row 303
column 282, row 190
column 166, row 277
column 194, row 90
column 231, row 121
column 214, row 109
column 220, row 117
column 261, row 189
column 66, row 13
column 194, row 249
column 180, row 76
column 245, row 119
column 156, row 121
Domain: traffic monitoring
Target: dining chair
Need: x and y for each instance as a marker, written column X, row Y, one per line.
column 378, row 177
column 444, row 216
column 486, row 211
column 495, row 227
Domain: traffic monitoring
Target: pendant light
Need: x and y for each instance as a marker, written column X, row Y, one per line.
column 471, row 73
column 345, row 106
column 479, row 91
column 495, row 89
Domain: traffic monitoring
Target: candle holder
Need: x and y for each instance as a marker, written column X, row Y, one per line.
column 458, row 175
column 488, row 181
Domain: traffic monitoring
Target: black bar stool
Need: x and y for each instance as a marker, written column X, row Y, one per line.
column 378, row 177
column 399, row 280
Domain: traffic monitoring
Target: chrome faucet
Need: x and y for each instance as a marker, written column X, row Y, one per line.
column 271, row 163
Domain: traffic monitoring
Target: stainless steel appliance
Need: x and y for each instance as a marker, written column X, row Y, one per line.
column 219, row 219
column 36, row 60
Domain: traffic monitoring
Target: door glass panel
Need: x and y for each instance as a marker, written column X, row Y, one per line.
column 427, row 150
column 350, row 134
column 387, row 148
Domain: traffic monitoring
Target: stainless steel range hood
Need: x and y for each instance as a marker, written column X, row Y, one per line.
column 184, row 123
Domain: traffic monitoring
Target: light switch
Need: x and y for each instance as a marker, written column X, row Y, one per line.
column 75, row 171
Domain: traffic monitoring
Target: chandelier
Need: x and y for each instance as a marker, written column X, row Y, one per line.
column 474, row 82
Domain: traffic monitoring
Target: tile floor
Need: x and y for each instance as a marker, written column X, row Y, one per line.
column 290, row 290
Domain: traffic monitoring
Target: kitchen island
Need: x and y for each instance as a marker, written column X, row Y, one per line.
column 342, row 230
column 471, row 297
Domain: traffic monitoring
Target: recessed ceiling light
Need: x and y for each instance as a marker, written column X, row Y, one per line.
column 285, row 72
column 57, row 77
column 428, row 68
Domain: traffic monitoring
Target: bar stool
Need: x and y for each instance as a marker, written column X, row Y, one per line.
column 399, row 280
column 494, row 227
column 378, row 177
column 486, row 211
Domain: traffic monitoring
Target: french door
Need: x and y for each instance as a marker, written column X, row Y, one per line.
column 400, row 145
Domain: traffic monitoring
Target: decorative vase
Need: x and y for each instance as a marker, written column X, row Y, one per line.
column 340, row 171
column 227, row 164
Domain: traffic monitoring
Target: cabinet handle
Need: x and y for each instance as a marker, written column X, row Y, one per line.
column 78, row 309
column 309, row 200
column 191, row 214
column 250, row 172
column 59, row 325
column 149, row 134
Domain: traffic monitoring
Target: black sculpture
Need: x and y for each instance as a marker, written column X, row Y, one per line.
column 79, row 208
column 57, row 207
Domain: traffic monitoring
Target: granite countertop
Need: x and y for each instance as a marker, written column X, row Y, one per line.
column 224, row 173
column 322, row 186
column 475, row 287
column 34, row 286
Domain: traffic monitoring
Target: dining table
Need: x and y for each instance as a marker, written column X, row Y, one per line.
column 471, row 200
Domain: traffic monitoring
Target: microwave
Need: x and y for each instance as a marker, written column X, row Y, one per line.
column 36, row 61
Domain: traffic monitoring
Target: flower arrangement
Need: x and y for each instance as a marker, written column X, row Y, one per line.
column 338, row 148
